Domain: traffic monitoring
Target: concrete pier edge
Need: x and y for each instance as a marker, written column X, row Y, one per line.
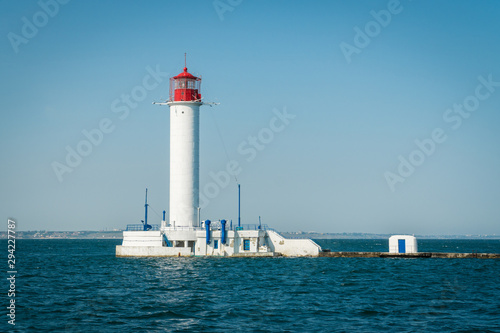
column 410, row 255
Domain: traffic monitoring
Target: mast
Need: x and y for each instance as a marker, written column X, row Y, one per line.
column 146, row 212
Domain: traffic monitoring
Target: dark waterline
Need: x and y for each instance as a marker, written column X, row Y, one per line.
column 80, row 286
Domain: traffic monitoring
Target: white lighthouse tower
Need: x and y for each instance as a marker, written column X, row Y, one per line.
column 184, row 102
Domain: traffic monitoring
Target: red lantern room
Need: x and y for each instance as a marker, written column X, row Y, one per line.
column 185, row 87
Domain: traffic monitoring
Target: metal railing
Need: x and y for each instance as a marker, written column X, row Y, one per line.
column 182, row 228
column 251, row 227
column 216, row 225
column 140, row 227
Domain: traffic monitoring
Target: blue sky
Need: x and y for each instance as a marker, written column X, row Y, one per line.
column 353, row 106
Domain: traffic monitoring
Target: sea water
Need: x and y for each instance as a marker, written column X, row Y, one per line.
column 80, row 286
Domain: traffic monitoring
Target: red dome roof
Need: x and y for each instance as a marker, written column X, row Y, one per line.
column 185, row 75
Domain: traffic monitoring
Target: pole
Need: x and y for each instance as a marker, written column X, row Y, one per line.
column 146, row 212
column 239, row 206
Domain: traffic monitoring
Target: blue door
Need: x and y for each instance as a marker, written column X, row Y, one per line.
column 401, row 246
column 246, row 245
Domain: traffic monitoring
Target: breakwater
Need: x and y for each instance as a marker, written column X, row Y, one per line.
column 343, row 254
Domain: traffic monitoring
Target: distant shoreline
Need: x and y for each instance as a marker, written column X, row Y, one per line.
column 313, row 235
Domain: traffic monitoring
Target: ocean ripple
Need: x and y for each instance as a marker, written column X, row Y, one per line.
column 80, row 286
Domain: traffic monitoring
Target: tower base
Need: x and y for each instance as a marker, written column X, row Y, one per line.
column 172, row 242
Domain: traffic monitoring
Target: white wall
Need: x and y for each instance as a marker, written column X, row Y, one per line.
column 142, row 238
column 410, row 243
column 152, row 251
column 293, row 247
column 234, row 242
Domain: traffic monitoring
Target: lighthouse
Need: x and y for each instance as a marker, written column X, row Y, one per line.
column 182, row 234
column 184, row 103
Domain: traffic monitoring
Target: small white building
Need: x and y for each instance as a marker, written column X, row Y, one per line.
column 402, row 244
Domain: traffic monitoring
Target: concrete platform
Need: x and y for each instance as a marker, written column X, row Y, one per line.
column 409, row 255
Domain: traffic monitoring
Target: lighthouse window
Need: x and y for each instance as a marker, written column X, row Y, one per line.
column 180, row 84
column 216, row 244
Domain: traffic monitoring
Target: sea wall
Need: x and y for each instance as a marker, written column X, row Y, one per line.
column 409, row 255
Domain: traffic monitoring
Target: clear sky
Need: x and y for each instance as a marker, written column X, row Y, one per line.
column 342, row 116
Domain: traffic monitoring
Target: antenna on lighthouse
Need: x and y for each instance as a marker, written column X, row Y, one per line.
column 185, row 63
